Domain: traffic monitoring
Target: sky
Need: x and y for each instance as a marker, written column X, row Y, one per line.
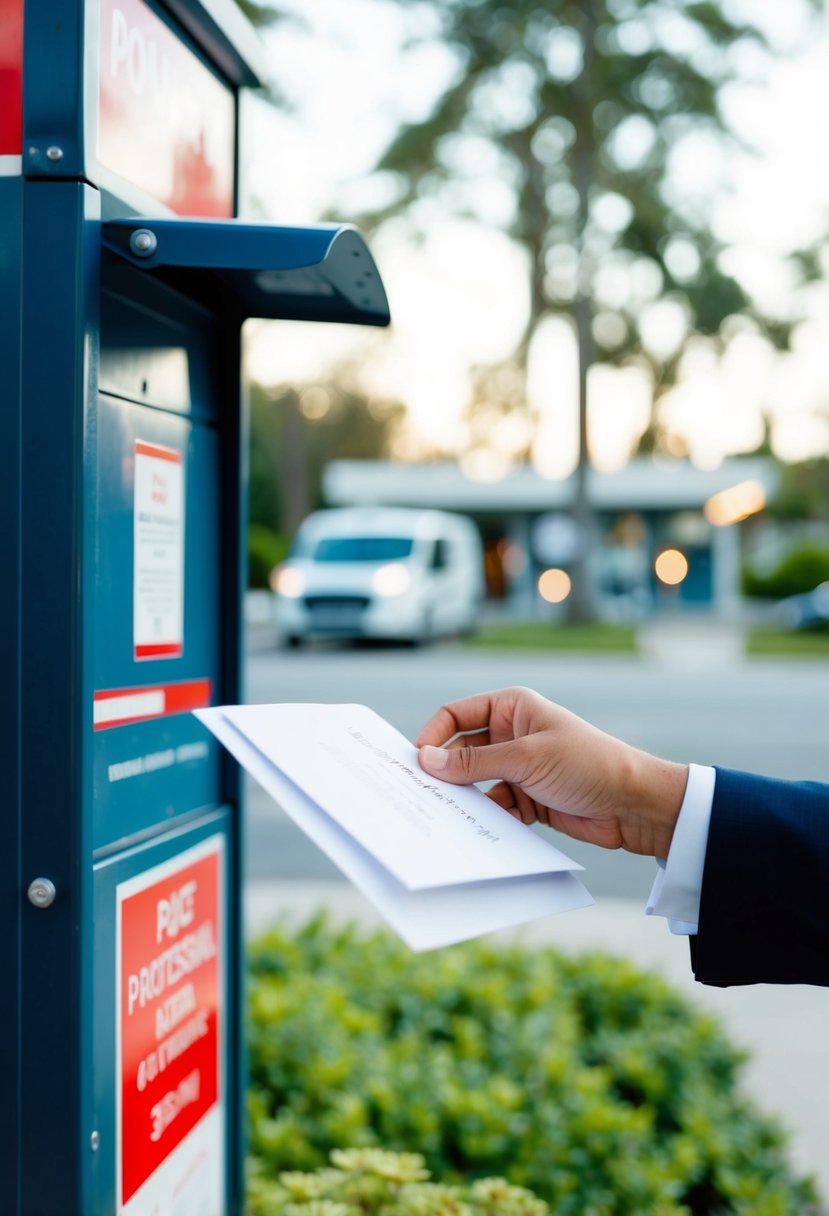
column 461, row 297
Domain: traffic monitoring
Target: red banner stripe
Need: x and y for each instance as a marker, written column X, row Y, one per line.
column 155, row 449
column 159, row 650
column 121, row 706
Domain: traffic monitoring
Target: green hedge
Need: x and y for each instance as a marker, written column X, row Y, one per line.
column 584, row 1080
column 800, row 571
column 369, row 1180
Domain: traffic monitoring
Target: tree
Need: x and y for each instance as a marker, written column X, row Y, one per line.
column 803, row 493
column 297, row 430
column 581, row 109
column 263, row 14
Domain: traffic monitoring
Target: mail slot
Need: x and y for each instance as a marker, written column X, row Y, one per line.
column 125, row 279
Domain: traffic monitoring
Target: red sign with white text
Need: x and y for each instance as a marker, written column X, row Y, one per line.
column 166, row 123
column 168, row 1029
column 123, row 706
column 11, row 77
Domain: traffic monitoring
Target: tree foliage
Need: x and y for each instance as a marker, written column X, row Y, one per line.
column 565, row 124
column 262, row 14
column 803, row 492
column 580, row 109
column 297, row 430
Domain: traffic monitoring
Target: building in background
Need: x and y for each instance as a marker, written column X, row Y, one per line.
column 668, row 532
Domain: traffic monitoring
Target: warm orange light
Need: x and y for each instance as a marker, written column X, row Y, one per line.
column 735, row 503
column 671, row 567
column 554, row 585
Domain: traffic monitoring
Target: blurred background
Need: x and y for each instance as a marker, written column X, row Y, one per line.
column 603, row 231
column 606, row 269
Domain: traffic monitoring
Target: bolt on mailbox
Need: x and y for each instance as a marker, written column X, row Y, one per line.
column 125, row 279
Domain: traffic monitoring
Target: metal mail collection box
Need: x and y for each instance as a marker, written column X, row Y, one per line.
column 125, row 279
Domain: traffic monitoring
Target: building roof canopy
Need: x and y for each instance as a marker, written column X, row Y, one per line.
column 643, row 484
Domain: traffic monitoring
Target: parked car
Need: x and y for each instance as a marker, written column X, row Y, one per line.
column 380, row 572
column 807, row 611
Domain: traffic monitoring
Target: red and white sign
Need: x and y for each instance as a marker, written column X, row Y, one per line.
column 166, row 123
column 11, row 79
column 170, row 1100
column 158, row 554
column 122, row 706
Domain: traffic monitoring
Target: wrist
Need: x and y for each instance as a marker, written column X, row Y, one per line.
column 656, row 789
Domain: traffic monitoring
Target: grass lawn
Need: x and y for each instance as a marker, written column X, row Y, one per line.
column 544, row 635
column 807, row 644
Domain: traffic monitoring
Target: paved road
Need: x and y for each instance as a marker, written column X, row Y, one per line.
column 771, row 717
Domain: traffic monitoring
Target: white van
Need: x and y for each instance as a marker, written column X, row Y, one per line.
column 380, row 572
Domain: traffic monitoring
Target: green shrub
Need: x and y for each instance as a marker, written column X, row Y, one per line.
column 265, row 550
column 798, row 572
column 367, row 1181
column 584, row 1080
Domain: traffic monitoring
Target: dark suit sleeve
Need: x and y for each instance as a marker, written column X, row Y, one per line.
column 764, row 908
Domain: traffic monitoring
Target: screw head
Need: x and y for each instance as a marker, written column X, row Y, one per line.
column 94, row 1141
column 54, row 153
column 42, row 892
column 143, row 242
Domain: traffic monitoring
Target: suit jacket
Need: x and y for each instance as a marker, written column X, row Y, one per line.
column 764, row 909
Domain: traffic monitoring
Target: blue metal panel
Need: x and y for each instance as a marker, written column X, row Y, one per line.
column 132, row 796
column 10, row 221
column 196, row 411
column 325, row 273
column 158, row 347
column 232, row 534
column 59, row 328
column 78, row 449
column 53, row 88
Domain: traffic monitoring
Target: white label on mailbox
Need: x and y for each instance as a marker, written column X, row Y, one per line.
column 158, row 565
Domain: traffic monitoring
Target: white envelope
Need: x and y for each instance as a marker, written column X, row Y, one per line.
column 442, row 863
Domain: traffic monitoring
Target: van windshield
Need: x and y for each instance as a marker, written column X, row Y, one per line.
column 362, row 548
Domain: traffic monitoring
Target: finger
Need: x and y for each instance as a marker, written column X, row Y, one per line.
column 503, row 794
column 464, row 765
column 514, row 801
column 469, row 714
column 525, row 807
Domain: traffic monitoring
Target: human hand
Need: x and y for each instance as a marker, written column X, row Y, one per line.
column 555, row 768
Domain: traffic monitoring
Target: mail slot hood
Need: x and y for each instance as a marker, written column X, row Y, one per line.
column 323, row 273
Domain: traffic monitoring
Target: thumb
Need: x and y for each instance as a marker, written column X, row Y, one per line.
column 464, row 765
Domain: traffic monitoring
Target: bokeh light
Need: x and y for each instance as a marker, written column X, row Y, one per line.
column 671, row 567
column 735, row 503
column 554, row 585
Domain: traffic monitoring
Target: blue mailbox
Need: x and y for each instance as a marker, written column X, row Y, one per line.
column 122, row 498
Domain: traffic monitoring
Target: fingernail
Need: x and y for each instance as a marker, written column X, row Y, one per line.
column 435, row 757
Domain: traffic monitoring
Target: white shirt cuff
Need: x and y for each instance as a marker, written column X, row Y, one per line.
column 678, row 885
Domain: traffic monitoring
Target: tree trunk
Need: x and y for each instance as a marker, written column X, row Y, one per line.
column 583, row 600
column 294, row 481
